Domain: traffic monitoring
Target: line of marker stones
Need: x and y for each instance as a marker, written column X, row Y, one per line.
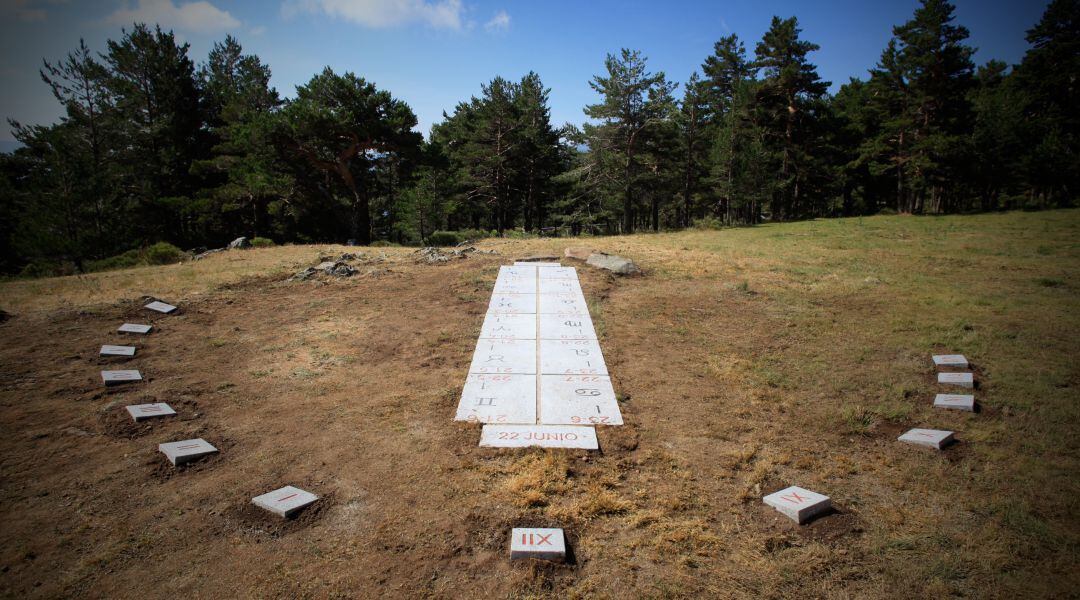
column 801, row 505
column 283, row 502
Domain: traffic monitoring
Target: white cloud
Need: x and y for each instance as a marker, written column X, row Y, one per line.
column 500, row 22
column 23, row 10
column 440, row 14
column 192, row 17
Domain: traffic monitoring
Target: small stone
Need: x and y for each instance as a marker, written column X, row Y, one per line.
column 135, row 328
column 161, row 307
column 950, row 360
column 121, row 376
column 955, row 401
column 577, row 253
column 285, row 502
column 540, row 543
column 934, row 438
column 238, row 243
column 966, row 380
column 141, row 412
column 615, row 264
column 186, row 451
column 798, row 504
column 110, row 350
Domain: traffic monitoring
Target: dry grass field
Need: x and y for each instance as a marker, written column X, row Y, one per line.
column 745, row 360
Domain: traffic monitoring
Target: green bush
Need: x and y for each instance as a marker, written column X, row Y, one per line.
column 261, row 242
column 445, row 238
column 131, row 258
column 708, row 223
column 162, row 253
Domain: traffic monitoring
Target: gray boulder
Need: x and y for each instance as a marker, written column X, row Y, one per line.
column 238, row 243
column 615, row 264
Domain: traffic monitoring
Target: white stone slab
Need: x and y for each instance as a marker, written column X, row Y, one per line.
column 518, row 271
column 955, row 401
column 578, row 400
column 560, row 286
column 798, row 504
column 186, row 451
column 558, row 273
column 571, row 357
column 120, row 376
column 934, row 438
column 135, row 328
column 142, row 412
column 161, row 307
column 950, row 360
column 514, row 286
column 567, row 326
column 541, row 543
column 504, row 399
column 517, row 304
column 966, row 380
column 562, row 303
column 507, row 326
column 110, row 350
column 493, row 355
column 522, row 263
column 543, row 436
column 286, row 501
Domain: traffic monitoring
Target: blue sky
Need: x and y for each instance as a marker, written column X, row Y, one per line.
column 435, row 53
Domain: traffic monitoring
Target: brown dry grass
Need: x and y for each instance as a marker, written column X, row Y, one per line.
column 746, row 360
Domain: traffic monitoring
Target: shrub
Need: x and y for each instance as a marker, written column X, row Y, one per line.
column 261, row 242
column 128, row 259
column 162, row 253
column 709, row 222
column 445, row 238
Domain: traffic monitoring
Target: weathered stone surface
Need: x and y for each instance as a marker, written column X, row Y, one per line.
column 966, row 380
column 160, row 307
column 141, row 412
column 561, row 286
column 578, row 400
column 950, row 360
column 578, row 253
column 186, row 451
column 571, row 357
column 512, row 304
column 506, row 326
column 504, row 399
column 558, row 273
column 615, row 264
column 285, row 502
column 955, row 401
column 566, row 326
column 135, row 328
column 120, row 376
column 504, row 356
column 110, row 350
column 238, row 243
column 543, row 436
column 933, row 438
column 798, row 504
column 562, row 303
column 540, row 543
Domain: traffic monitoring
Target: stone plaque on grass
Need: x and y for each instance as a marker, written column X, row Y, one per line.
column 285, row 502
column 110, row 350
column 798, row 504
column 950, row 360
column 578, row 400
column 161, row 307
column 504, row 356
column 135, row 328
column 186, row 451
column 955, row 401
column 933, row 438
column 120, row 376
column 543, row 436
column 508, row 399
column 966, row 380
column 540, row 543
column 142, row 412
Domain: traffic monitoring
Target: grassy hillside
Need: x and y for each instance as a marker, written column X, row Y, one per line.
column 746, row 360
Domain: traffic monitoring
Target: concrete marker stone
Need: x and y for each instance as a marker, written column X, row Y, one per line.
column 540, row 543
column 186, row 451
column 120, row 376
column 543, row 436
column 950, row 360
column 135, row 328
column 933, row 438
column 798, row 504
column 160, row 307
column 142, row 412
column 966, row 380
column 286, row 501
column 955, row 401
column 110, row 350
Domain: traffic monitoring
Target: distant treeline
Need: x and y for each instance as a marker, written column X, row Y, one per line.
column 153, row 148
